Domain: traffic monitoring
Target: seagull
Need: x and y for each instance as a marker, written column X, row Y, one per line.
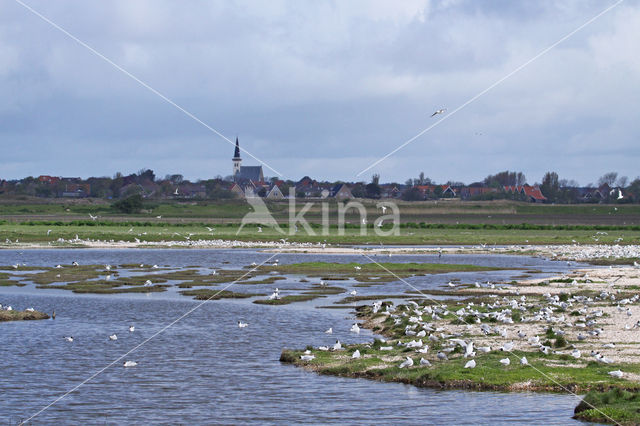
column 242, row 324
column 353, row 293
column 357, row 268
column 505, row 361
column 617, row 374
column 384, row 209
column 259, row 228
column 523, row 361
column 576, row 354
column 355, row 329
column 129, row 364
column 470, row 364
column 407, row 363
column 337, row 346
column 74, row 263
column 92, row 217
column 307, row 357
column 356, row 354
column 329, row 331
column 210, row 229
column 113, row 337
column 48, row 232
column 442, row 356
column 131, row 329
column 68, row 338
column 148, row 283
column 440, row 111
column 425, row 362
column 507, row 347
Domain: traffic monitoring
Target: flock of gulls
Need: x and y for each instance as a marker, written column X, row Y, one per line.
column 490, row 327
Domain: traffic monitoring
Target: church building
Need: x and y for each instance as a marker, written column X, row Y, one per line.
column 245, row 174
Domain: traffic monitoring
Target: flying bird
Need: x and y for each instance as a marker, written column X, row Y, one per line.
column 440, row 111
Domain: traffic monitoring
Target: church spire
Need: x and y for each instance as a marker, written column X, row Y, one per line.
column 236, row 154
column 236, row 160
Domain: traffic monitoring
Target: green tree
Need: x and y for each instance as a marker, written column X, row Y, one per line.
column 412, row 194
column 131, row 204
column 550, row 186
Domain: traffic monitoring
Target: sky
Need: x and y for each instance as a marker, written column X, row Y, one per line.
column 320, row 88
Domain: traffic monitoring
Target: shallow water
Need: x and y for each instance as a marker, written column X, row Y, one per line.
column 204, row 369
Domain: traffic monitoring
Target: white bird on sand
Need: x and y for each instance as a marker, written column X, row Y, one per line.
column 113, row 337
column 617, row 374
column 505, row 361
column 407, row 363
column 129, row 364
column 68, row 338
column 242, row 324
column 507, row 347
column 356, row 354
column 355, row 329
column 440, row 111
column 470, row 364
column 425, row 362
column 131, row 329
column 329, row 331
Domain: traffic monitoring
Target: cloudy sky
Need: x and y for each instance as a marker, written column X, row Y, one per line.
column 320, row 88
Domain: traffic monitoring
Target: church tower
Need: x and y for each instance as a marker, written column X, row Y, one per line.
column 236, row 159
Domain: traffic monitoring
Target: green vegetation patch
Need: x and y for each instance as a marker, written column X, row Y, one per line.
column 22, row 315
column 614, row 406
column 209, row 294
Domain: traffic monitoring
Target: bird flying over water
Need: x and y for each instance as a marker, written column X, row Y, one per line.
column 440, row 111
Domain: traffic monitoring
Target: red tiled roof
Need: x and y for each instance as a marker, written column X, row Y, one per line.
column 533, row 192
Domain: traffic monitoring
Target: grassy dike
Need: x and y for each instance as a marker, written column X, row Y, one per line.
column 555, row 372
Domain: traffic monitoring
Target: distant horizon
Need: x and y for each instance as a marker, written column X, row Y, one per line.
column 162, row 176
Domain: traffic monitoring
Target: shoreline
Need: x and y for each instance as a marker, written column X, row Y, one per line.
column 574, row 330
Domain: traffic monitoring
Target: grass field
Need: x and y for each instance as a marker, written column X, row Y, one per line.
column 461, row 222
column 416, row 236
column 444, row 211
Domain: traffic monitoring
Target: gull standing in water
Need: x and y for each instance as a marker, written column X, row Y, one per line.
column 242, row 324
column 129, row 364
column 329, row 331
column 113, row 337
column 131, row 329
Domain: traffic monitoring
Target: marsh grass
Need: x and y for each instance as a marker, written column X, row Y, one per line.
column 616, row 405
column 22, row 315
